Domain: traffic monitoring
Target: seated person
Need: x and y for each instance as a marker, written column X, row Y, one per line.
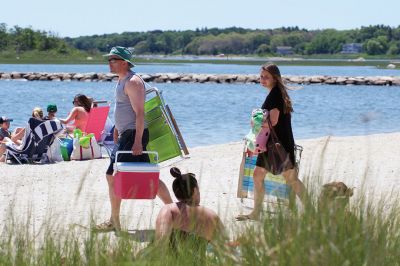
column 79, row 113
column 6, row 135
column 51, row 112
column 37, row 113
column 186, row 219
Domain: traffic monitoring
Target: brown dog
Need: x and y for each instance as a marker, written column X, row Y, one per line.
column 335, row 194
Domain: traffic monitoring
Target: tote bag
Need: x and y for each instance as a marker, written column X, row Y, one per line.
column 278, row 158
column 91, row 150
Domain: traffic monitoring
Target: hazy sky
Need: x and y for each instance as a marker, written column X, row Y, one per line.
column 86, row 17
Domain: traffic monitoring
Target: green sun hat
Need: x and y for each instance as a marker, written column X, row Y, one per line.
column 123, row 53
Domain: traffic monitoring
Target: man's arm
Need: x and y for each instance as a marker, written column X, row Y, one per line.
column 135, row 90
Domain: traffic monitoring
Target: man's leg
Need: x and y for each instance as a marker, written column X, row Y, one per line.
column 115, row 203
column 163, row 193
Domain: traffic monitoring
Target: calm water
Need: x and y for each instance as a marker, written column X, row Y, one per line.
column 219, row 113
column 211, row 69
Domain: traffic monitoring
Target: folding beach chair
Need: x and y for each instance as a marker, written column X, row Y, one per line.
column 276, row 189
column 165, row 136
column 275, row 185
column 97, row 120
column 39, row 135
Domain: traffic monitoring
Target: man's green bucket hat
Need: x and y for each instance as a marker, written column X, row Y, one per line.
column 123, row 53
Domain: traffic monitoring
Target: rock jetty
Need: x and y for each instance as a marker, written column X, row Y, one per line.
column 202, row 78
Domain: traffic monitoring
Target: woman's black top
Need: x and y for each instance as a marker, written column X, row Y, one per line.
column 283, row 128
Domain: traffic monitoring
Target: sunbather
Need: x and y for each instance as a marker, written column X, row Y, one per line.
column 37, row 113
column 6, row 135
column 51, row 112
column 187, row 218
column 79, row 113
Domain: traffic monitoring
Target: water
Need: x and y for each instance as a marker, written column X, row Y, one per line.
column 210, row 69
column 219, row 113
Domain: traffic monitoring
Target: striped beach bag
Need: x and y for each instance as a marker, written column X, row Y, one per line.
column 275, row 185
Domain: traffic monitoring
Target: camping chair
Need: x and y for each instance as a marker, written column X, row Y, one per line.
column 97, row 121
column 39, row 135
column 164, row 134
column 276, row 189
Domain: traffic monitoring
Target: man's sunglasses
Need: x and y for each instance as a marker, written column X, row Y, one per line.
column 113, row 60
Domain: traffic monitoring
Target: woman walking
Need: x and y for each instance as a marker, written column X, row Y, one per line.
column 279, row 106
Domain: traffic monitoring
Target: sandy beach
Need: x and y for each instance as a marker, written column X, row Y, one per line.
column 70, row 193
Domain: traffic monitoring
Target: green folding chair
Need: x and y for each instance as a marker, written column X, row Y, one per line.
column 164, row 134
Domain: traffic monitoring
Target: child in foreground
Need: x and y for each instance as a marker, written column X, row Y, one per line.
column 187, row 218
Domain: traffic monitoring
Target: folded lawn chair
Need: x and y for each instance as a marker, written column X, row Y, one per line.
column 39, row 135
column 164, row 134
column 275, row 185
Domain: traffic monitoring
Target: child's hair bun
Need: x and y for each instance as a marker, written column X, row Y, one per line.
column 175, row 172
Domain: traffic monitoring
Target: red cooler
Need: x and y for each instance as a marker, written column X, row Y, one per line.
column 136, row 180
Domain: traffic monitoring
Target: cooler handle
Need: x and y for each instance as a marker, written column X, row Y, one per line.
column 146, row 152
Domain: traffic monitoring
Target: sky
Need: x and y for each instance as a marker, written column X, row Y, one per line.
column 73, row 18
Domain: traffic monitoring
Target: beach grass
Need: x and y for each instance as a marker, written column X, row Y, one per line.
column 365, row 233
column 79, row 57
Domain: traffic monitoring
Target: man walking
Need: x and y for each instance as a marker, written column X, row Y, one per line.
column 130, row 132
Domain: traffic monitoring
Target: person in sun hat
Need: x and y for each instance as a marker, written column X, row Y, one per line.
column 51, row 112
column 130, row 131
column 120, row 53
column 6, row 135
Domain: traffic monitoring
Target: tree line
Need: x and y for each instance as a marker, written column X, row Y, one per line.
column 374, row 40
column 20, row 39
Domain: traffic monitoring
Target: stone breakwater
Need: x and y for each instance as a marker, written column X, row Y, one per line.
column 203, row 78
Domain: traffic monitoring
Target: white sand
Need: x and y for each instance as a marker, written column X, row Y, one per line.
column 69, row 192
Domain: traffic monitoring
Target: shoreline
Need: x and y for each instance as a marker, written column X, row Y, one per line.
column 203, row 78
column 68, row 193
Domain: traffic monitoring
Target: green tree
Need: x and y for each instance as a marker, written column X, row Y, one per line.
column 376, row 46
column 3, row 36
column 394, row 48
column 373, row 47
column 263, row 49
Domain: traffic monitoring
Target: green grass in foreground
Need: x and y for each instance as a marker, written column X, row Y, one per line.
column 361, row 235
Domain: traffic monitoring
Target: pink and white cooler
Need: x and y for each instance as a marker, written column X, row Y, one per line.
column 136, row 180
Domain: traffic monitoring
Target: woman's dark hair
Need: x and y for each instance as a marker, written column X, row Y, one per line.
column 276, row 74
column 83, row 101
column 183, row 185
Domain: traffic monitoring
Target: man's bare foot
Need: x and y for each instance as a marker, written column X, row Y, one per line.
column 105, row 227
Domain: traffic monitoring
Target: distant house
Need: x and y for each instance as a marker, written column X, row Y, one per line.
column 284, row 50
column 351, row 48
